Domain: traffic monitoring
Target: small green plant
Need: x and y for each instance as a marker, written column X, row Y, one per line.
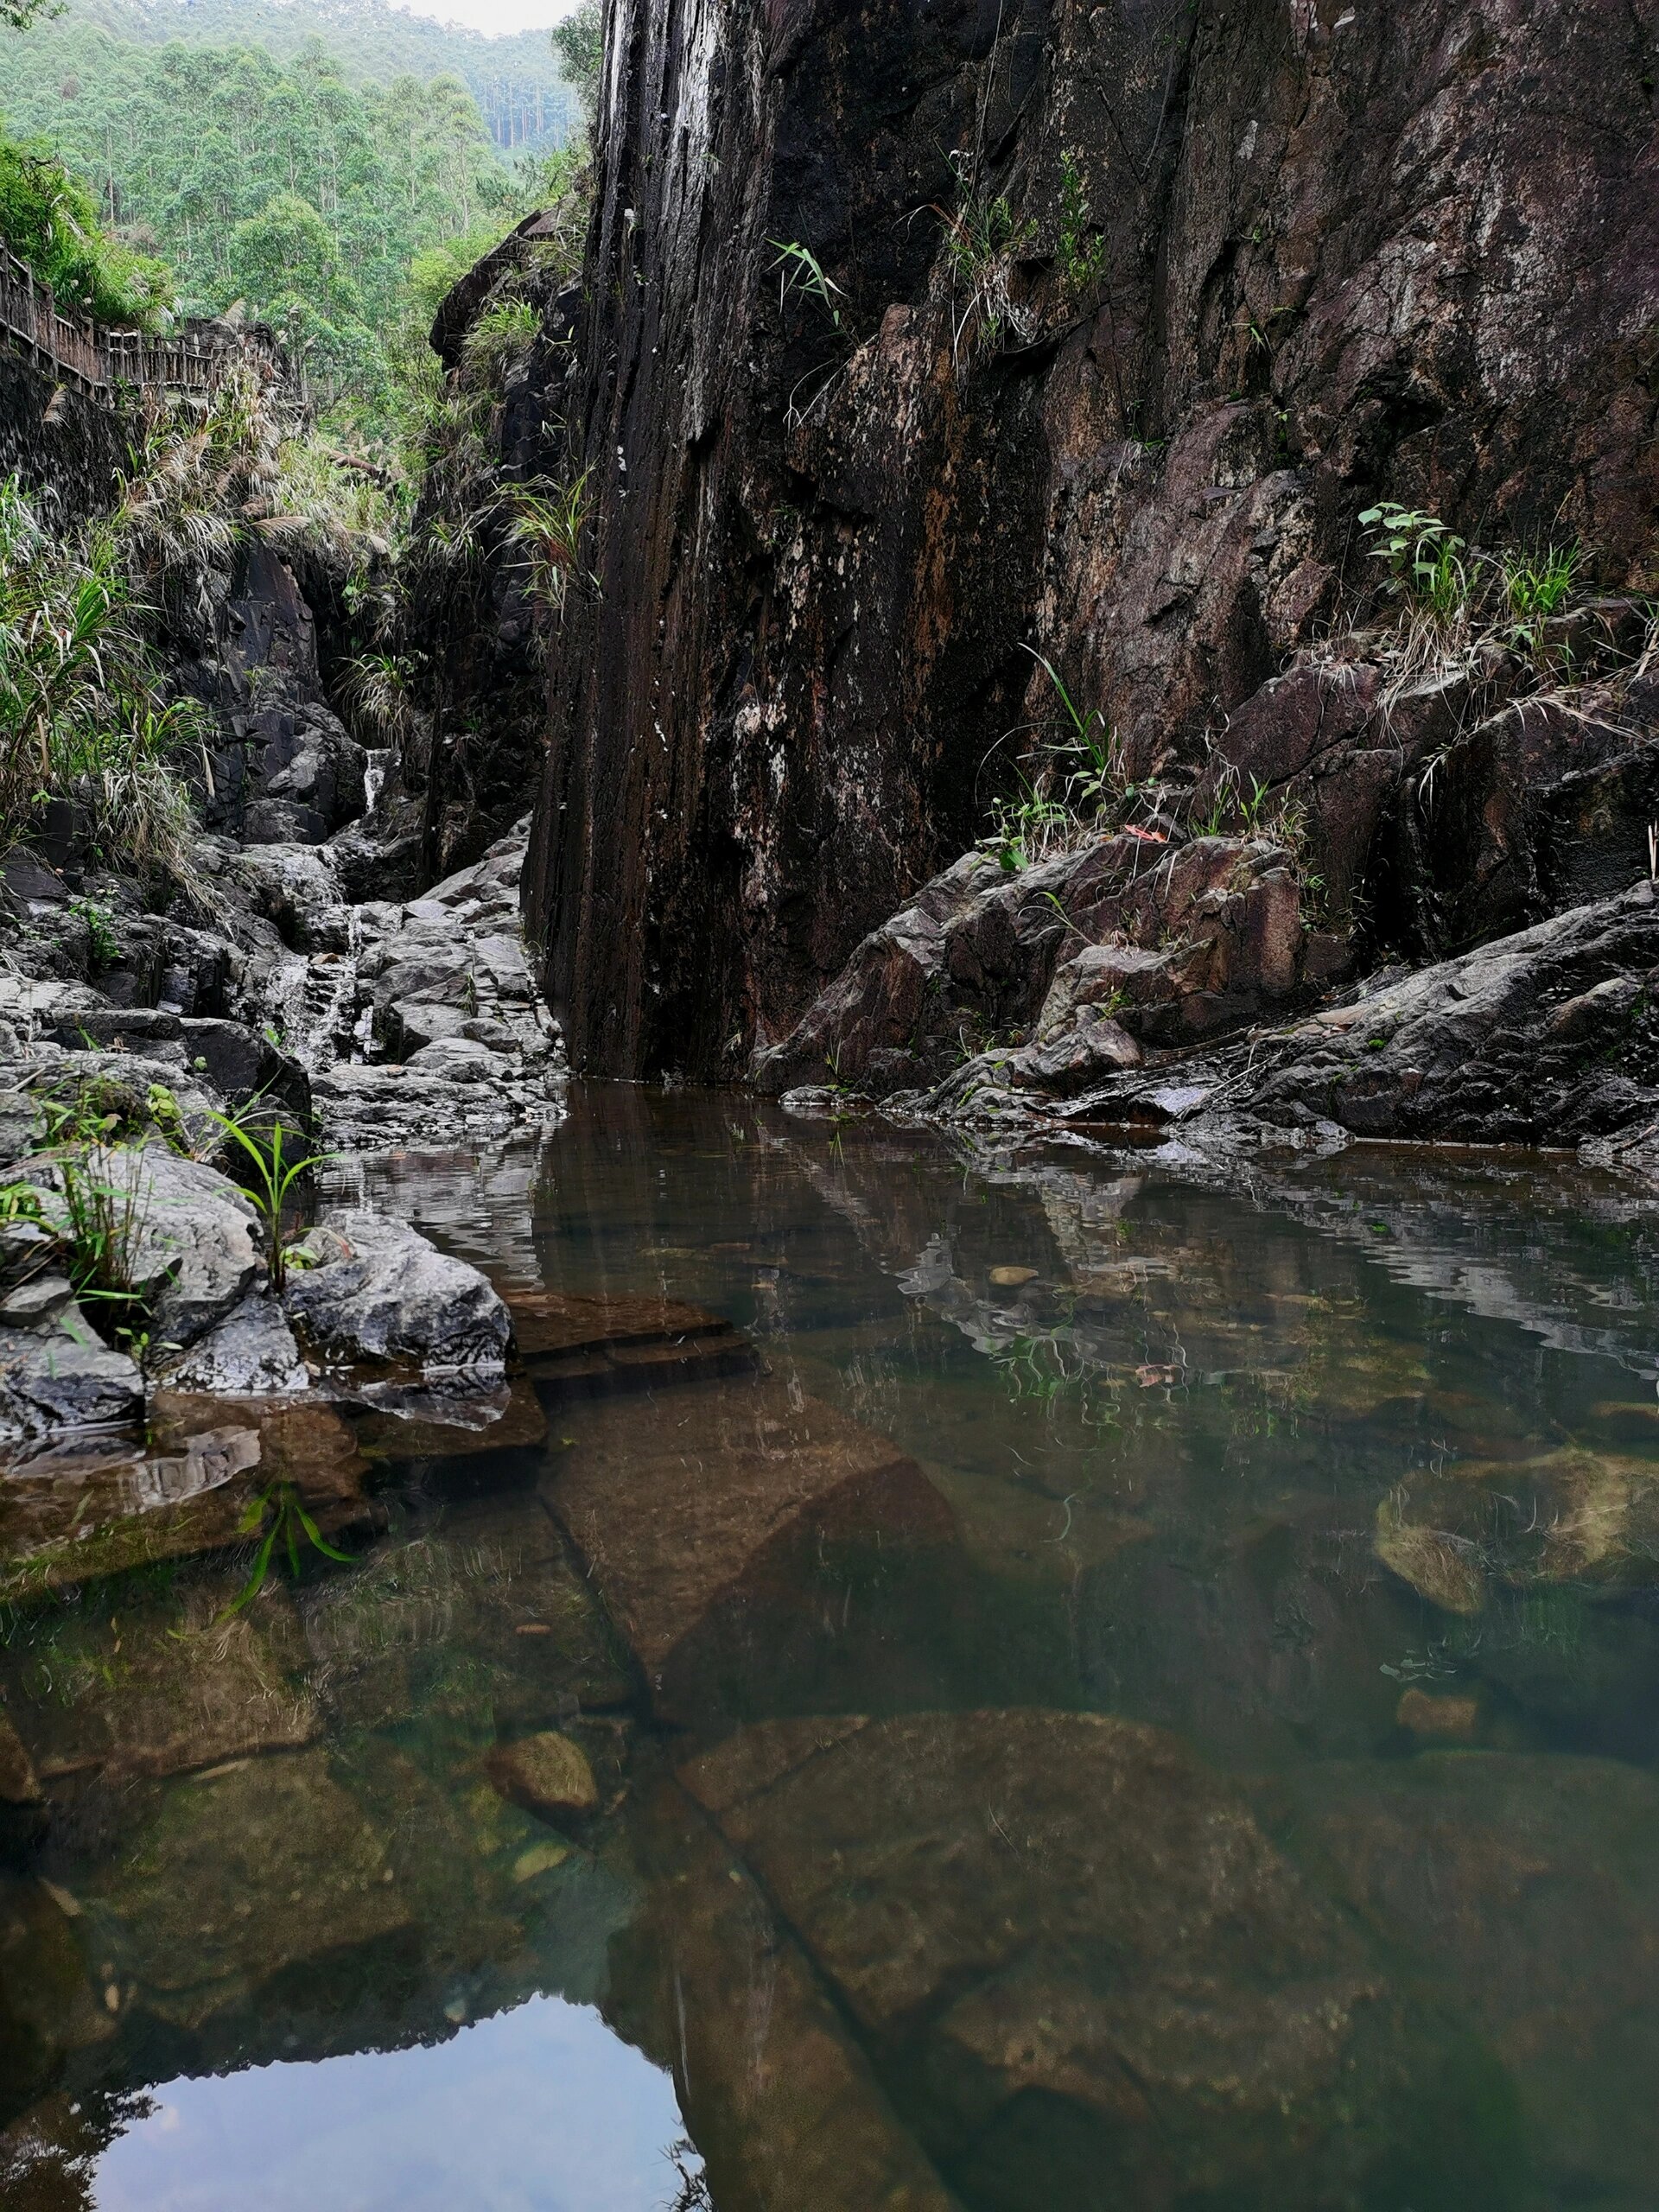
column 1081, row 788
column 274, row 1178
column 1081, row 254
column 277, row 1517
column 799, row 269
column 501, row 338
column 1535, row 586
column 983, row 240
column 547, row 528
column 1423, row 555
column 377, row 693
column 106, row 1205
column 104, row 946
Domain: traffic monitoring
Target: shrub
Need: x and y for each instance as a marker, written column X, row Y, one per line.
column 49, row 219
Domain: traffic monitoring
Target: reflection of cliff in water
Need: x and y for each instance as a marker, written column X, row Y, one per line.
column 1011, row 1682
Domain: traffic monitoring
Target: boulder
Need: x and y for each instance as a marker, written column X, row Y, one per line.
column 771, row 2080
column 393, row 1296
column 547, row 1775
column 241, row 1064
column 1175, row 943
column 55, row 1373
column 1547, row 1037
column 249, row 1353
column 191, row 1241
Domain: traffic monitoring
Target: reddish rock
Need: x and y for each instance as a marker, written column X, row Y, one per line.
column 692, row 1510
column 1341, row 255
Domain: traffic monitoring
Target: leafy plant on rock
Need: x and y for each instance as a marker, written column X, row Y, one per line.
column 1424, row 555
column 272, row 1180
column 547, row 528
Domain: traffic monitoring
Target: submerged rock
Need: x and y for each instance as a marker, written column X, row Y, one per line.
column 238, row 1877
column 694, row 1511
column 1530, row 1886
column 22, row 1802
column 546, row 1774
column 784, row 2105
column 1093, row 1969
column 392, row 1296
column 161, row 1689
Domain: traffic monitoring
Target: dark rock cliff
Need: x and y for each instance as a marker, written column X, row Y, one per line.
column 1126, row 313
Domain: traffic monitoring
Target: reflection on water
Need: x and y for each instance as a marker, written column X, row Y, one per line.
column 980, row 1680
column 542, row 2109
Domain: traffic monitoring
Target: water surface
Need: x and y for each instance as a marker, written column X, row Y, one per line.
column 1105, row 1683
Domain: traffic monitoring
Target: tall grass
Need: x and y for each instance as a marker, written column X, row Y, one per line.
column 82, row 711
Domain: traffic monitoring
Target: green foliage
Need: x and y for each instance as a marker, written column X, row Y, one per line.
column 799, row 269
column 502, row 336
column 377, row 691
column 81, row 712
column 579, row 42
column 1081, row 251
column 101, row 931
column 1080, row 789
column 273, row 1177
column 1423, row 555
column 515, row 79
column 982, row 241
column 279, row 185
column 18, row 15
column 49, row 219
column 547, row 528
column 278, row 1516
column 1536, row 586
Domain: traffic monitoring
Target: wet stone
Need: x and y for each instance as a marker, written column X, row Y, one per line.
column 239, row 1877
column 580, row 1345
column 547, row 1774
column 395, row 1297
column 1070, row 1906
column 687, row 1510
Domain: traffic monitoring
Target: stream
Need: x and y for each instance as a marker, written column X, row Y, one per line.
column 1102, row 1688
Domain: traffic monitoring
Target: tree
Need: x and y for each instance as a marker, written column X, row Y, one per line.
column 289, row 249
column 579, row 41
column 18, row 15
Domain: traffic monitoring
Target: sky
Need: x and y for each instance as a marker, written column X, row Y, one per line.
column 494, row 15
column 542, row 2109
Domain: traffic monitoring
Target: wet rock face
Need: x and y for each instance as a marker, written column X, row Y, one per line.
column 1547, row 1037
column 1330, row 253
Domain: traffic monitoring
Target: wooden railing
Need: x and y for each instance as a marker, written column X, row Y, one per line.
column 101, row 361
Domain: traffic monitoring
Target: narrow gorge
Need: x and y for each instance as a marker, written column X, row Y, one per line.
column 829, row 1106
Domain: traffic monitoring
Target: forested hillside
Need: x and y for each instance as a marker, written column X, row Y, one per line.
column 516, row 80
column 338, row 210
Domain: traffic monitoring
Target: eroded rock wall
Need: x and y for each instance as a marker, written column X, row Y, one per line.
column 1256, row 267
